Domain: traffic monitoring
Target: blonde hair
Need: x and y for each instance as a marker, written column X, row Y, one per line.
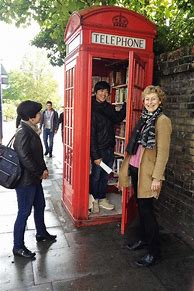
column 154, row 89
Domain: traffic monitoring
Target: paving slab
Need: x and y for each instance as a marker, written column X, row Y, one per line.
column 176, row 273
column 7, row 223
column 42, row 287
column 122, row 281
column 50, row 220
column 15, row 274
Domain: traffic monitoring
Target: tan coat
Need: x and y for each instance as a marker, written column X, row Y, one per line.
column 152, row 162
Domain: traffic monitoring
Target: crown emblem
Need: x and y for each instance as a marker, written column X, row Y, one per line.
column 120, row 21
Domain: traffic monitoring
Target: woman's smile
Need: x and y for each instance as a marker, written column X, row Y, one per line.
column 151, row 102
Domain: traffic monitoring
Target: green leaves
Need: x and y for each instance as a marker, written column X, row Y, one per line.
column 174, row 20
column 33, row 81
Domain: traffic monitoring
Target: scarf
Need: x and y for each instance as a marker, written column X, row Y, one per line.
column 33, row 126
column 144, row 131
column 148, row 136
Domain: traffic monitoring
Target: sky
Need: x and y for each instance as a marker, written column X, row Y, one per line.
column 15, row 43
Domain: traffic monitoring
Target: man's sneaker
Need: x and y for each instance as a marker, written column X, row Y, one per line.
column 104, row 203
column 95, row 208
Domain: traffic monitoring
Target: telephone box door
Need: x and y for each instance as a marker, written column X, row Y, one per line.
column 68, row 135
column 136, row 84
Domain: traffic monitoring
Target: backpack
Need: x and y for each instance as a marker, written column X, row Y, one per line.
column 10, row 169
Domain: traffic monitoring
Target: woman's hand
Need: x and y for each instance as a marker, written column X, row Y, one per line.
column 156, row 185
column 97, row 162
column 119, row 187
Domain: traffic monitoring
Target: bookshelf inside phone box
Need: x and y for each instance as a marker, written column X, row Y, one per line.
column 116, row 45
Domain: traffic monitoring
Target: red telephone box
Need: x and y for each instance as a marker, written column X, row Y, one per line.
column 103, row 43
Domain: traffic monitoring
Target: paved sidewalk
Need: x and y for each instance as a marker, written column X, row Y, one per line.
column 85, row 259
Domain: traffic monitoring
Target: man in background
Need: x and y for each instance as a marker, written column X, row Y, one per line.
column 49, row 122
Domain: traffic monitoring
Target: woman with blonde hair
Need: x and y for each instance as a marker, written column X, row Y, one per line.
column 148, row 152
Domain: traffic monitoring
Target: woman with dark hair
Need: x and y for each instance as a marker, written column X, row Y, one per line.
column 29, row 189
column 148, row 152
column 18, row 119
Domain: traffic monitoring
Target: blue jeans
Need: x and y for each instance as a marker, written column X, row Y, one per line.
column 48, row 134
column 27, row 197
column 98, row 177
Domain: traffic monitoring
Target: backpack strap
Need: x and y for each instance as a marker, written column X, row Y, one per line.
column 10, row 143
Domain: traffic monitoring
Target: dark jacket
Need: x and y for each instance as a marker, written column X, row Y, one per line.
column 61, row 120
column 54, row 121
column 29, row 149
column 104, row 117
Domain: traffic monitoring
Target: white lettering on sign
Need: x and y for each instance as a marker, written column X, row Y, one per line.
column 117, row 40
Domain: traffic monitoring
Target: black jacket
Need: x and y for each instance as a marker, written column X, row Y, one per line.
column 29, row 149
column 61, row 120
column 104, row 117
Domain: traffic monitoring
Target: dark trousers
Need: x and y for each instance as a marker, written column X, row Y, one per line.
column 48, row 134
column 27, row 197
column 148, row 224
column 98, row 177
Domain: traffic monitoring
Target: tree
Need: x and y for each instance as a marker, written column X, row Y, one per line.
column 9, row 111
column 33, row 81
column 174, row 19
